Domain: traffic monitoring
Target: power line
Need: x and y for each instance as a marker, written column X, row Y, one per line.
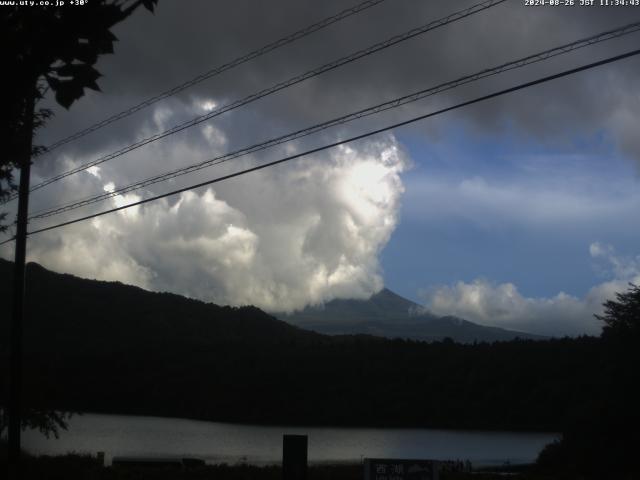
column 218, row 70
column 7, row 241
column 352, row 139
column 528, row 60
column 280, row 86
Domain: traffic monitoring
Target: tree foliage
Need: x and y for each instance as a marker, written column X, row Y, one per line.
column 600, row 440
column 49, row 48
column 48, row 422
column 622, row 316
column 42, row 49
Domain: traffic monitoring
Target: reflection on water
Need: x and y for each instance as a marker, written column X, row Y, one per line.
column 118, row 435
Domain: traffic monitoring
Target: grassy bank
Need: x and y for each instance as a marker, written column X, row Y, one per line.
column 82, row 467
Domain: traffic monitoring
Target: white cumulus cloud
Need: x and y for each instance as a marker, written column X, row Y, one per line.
column 281, row 238
column 502, row 305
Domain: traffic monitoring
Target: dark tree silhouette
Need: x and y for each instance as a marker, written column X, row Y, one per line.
column 48, row 422
column 46, row 48
column 600, row 438
column 622, row 317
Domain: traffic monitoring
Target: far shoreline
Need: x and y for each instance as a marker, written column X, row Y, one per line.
column 381, row 426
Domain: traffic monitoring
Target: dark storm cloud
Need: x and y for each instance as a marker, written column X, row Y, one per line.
column 185, row 39
column 181, row 41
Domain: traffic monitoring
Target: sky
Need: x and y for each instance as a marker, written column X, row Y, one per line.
column 518, row 212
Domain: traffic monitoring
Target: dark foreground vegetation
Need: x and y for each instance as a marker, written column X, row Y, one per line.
column 107, row 347
column 78, row 467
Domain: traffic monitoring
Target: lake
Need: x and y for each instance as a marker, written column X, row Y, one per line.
column 118, row 435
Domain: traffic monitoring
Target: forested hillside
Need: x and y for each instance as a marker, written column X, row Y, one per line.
column 109, row 347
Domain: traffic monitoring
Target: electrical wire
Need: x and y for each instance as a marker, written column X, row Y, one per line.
column 459, row 15
column 218, row 70
column 528, row 60
column 7, row 240
column 351, row 139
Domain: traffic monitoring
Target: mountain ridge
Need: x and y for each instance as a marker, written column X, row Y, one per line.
column 387, row 314
column 112, row 348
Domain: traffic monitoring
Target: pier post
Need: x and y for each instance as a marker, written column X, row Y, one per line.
column 294, row 457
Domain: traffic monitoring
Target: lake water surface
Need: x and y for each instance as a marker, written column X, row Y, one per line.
column 214, row 442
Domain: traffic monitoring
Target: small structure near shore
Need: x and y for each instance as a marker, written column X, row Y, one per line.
column 294, row 457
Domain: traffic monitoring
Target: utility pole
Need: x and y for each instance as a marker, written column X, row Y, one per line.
column 15, row 335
